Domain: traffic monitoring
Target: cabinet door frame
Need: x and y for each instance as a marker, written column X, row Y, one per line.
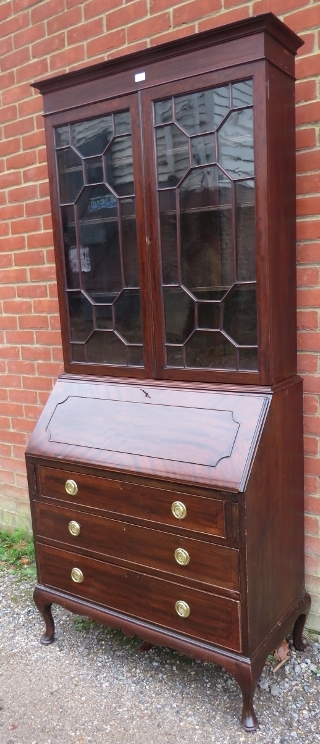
column 78, row 114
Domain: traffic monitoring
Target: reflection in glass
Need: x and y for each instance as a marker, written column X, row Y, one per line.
column 203, row 150
column 168, row 234
column 105, row 347
column 62, row 136
column 70, row 247
column 163, row 111
column 129, row 242
column 103, row 315
column 242, row 94
column 248, row 359
column 78, row 352
column 135, row 356
column 122, row 122
column 91, row 137
column 236, row 144
column 127, row 316
column 240, row 315
column 94, row 170
column 208, row 315
column 206, row 230
column 172, row 155
column 174, row 356
column 80, row 314
column 70, row 175
column 179, row 314
column 120, row 166
column 202, row 111
column 210, row 349
column 246, row 231
column 99, row 233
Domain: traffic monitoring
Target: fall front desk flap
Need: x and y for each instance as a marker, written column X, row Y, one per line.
column 162, row 432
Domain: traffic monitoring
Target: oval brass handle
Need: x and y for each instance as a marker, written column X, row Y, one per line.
column 71, row 487
column 182, row 556
column 179, row 510
column 182, row 608
column 77, row 575
column 74, row 528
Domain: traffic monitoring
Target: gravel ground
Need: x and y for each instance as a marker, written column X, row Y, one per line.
column 94, row 686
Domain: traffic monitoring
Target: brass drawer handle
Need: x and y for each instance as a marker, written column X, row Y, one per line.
column 71, row 487
column 179, row 510
column 182, row 608
column 77, row 575
column 74, row 528
column 182, row 556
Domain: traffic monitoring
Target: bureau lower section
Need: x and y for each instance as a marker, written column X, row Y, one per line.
column 191, row 612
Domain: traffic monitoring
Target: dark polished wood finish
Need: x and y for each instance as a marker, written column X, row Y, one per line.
column 166, row 498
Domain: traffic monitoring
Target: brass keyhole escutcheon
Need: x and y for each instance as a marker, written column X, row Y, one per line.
column 182, row 608
column 182, row 556
column 74, row 528
column 179, row 510
column 77, row 575
column 71, row 487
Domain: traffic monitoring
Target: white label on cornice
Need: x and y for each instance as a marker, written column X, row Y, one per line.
column 139, row 76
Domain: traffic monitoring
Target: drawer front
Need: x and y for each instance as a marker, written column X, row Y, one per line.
column 212, row 618
column 201, row 561
column 152, row 504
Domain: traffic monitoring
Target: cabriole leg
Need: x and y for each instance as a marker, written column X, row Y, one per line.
column 45, row 610
column 297, row 632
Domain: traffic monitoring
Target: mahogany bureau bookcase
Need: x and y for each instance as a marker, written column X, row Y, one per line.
column 166, row 470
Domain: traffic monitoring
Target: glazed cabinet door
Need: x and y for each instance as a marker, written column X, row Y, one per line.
column 98, row 207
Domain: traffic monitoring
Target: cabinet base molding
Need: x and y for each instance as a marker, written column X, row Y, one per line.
column 246, row 670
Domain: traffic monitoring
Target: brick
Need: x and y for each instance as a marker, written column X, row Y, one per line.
column 308, row 319
column 22, row 194
column 48, row 44
column 7, row 79
column 307, row 363
column 4, row 229
column 68, row 57
column 193, row 11
column 19, row 227
column 31, row 141
column 4, row 424
column 307, row 276
column 21, row 480
column 57, row 355
column 16, row 93
column 308, row 183
column 29, row 35
column 32, row 412
column 8, row 322
column 312, row 505
column 17, row 306
column 48, row 369
column 10, row 146
column 126, row 14
column 312, row 425
column 21, row 367
column 111, row 40
column 11, row 409
column 31, row 106
column 15, row 59
column 10, row 179
column 43, row 397
column 228, row 17
column 65, row 20
column 309, row 46
column 32, row 290
column 7, row 477
column 312, row 564
column 308, row 253
column 45, row 10
column 35, row 69
column 5, row 11
column 308, row 112
column 36, row 353
column 6, row 292
column 21, row 160
column 29, row 258
column 174, row 34
column 42, row 273
column 304, row 19
column 149, row 27
column 23, row 396
column 41, row 206
column 37, row 383
column 5, row 260
column 308, row 161
column 19, row 337
column 45, row 306
column 9, row 352
column 93, row 8
column 90, row 29
column 130, row 49
column 13, row 243
column 305, row 90
column 40, row 239
column 48, row 338
column 308, row 341
column 308, row 230
column 157, row 5
column 19, row 5
column 310, row 404
column 12, row 211
column 33, row 321
column 7, row 113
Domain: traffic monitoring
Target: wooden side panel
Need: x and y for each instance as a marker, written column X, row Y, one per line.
column 274, row 516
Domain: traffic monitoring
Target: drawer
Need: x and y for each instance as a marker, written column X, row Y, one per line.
column 216, row 565
column 212, row 618
column 202, row 514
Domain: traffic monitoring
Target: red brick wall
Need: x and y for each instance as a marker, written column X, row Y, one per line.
column 43, row 37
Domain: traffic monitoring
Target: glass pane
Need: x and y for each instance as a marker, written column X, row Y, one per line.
column 208, row 315
column 78, row 353
column 179, row 314
column 104, row 317
column 163, row 111
column 174, row 356
column 135, row 356
column 92, row 136
column 127, row 316
column 248, row 359
column 246, row 231
column 99, row 233
column 203, row 150
column 120, row 166
column 209, row 294
column 236, row 144
column 129, row 243
column 202, row 111
column 70, row 247
column 172, row 155
column 80, row 312
column 122, row 122
column 62, row 136
column 94, row 170
column 210, row 349
column 206, row 230
column 168, row 234
column 70, row 175
column 242, row 94
column 104, row 347
column 240, row 315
